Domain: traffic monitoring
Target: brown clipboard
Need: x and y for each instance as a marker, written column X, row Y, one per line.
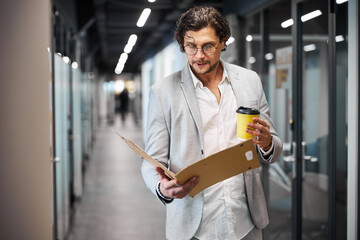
column 211, row 170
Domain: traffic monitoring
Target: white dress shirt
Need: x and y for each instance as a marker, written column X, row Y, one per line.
column 225, row 214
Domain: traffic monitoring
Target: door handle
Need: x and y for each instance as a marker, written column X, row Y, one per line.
column 305, row 157
column 291, row 158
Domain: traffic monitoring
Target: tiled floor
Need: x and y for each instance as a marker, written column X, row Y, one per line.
column 116, row 203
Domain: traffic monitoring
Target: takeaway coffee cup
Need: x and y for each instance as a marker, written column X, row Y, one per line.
column 244, row 116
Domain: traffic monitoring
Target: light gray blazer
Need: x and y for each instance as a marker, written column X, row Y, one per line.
column 175, row 138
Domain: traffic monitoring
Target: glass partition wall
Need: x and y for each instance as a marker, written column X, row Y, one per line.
column 306, row 187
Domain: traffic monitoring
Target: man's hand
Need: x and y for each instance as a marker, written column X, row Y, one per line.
column 261, row 132
column 172, row 189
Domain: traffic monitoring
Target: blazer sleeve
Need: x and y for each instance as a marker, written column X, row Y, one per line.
column 156, row 140
column 265, row 115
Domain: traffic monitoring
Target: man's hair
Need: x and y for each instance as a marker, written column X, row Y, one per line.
column 199, row 17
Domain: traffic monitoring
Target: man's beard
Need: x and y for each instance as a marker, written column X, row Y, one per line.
column 212, row 67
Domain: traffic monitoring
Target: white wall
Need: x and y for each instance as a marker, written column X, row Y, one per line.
column 146, row 76
column 25, row 166
column 164, row 63
column 231, row 54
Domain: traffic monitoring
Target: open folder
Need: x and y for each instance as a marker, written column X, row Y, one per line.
column 211, row 170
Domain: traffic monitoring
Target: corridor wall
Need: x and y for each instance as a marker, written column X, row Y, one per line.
column 25, row 122
column 62, row 125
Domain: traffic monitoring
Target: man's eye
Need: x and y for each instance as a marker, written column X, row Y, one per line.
column 191, row 46
column 207, row 46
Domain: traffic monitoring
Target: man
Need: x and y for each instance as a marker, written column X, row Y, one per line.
column 192, row 114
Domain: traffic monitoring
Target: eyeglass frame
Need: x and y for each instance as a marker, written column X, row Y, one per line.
column 202, row 49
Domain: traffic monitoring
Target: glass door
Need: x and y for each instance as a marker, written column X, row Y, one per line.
column 315, row 118
column 323, row 32
column 278, row 85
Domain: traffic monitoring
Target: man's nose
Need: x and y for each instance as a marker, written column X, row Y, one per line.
column 200, row 53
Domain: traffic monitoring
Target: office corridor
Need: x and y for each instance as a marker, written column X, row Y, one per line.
column 116, row 203
column 65, row 63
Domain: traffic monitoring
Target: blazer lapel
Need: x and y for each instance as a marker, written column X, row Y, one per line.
column 188, row 89
column 234, row 79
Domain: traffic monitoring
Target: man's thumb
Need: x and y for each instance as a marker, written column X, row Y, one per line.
column 161, row 172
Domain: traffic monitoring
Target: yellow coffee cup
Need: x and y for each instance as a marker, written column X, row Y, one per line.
column 244, row 116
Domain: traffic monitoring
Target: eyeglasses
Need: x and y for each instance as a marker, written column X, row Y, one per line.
column 208, row 49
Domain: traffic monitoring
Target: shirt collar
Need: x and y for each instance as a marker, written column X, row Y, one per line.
column 198, row 83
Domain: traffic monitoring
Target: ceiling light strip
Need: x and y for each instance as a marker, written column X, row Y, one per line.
column 341, row 1
column 311, row 15
column 143, row 17
column 304, row 18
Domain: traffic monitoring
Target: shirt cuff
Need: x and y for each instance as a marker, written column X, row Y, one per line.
column 162, row 197
column 268, row 152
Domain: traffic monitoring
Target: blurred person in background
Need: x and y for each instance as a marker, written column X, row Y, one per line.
column 191, row 115
column 124, row 104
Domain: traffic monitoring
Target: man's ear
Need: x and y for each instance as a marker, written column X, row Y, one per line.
column 223, row 46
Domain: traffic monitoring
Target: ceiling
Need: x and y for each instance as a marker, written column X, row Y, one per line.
column 106, row 25
column 115, row 20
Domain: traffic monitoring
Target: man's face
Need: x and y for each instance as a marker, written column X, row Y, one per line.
column 202, row 63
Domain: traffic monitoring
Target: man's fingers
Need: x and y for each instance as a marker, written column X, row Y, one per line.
column 260, row 127
column 261, row 121
column 168, row 184
column 261, row 133
column 254, row 133
column 161, row 173
column 174, row 190
column 191, row 183
column 184, row 189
